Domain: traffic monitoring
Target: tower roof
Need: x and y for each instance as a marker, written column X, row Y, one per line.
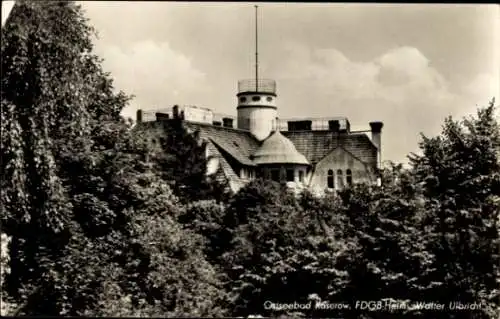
column 277, row 149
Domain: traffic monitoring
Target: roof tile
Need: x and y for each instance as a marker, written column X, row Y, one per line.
column 240, row 144
column 317, row 144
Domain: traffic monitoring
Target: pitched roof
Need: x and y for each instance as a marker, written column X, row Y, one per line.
column 277, row 149
column 238, row 143
column 234, row 181
column 314, row 145
column 317, row 144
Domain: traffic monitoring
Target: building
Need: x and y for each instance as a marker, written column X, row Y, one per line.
column 320, row 154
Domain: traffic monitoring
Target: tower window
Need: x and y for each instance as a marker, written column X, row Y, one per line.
column 243, row 99
column 255, row 98
column 289, row 175
column 301, row 176
column 269, row 99
column 348, row 177
column 330, row 179
column 340, row 179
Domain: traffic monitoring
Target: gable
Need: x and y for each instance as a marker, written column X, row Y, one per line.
column 342, row 158
column 224, row 167
column 338, row 162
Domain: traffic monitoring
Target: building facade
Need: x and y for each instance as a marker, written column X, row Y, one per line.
column 320, row 154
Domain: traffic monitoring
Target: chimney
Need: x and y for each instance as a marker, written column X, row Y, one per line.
column 175, row 111
column 334, row 126
column 347, row 126
column 376, row 128
column 227, row 122
column 138, row 116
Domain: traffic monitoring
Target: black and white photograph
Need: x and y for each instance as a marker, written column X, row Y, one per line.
column 181, row 159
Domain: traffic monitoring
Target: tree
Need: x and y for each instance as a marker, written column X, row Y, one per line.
column 283, row 249
column 45, row 49
column 431, row 232
column 182, row 161
column 460, row 173
column 205, row 218
column 391, row 258
column 81, row 195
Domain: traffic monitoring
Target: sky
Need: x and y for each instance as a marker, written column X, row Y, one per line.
column 407, row 65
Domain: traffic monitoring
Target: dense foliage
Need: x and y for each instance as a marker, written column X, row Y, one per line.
column 108, row 220
column 182, row 162
column 82, row 199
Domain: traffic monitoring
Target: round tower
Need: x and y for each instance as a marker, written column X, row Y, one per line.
column 257, row 109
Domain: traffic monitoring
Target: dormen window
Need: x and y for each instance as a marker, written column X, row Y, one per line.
column 348, row 177
column 340, row 179
column 330, row 179
column 289, row 175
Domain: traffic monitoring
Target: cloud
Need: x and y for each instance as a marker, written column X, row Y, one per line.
column 483, row 87
column 400, row 87
column 156, row 75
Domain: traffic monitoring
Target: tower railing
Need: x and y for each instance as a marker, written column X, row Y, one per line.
column 261, row 86
column 315, row 123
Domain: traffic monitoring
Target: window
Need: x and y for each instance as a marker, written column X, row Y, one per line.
column 259, row 174
column 269, row 99
column 275, row 175
column 301, row 176
column 243, row 99
column 348, row 177
column 340, row 179
column 289, row 175
column 330, row 179
column 255, row 98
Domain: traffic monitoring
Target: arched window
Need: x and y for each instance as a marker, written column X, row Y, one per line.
column 340, row 179
column 348, row 177
column 330, row 179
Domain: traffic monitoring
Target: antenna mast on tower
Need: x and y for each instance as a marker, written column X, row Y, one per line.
column 256, row 52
